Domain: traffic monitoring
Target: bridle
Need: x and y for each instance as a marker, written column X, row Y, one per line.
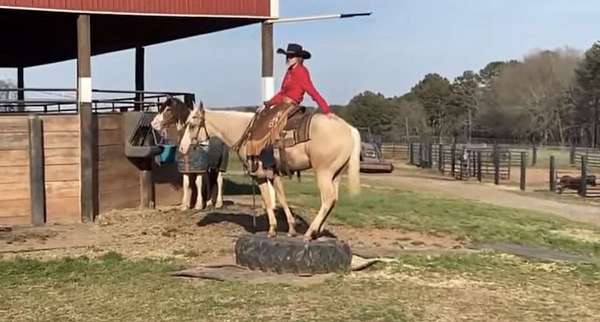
column 197, row 128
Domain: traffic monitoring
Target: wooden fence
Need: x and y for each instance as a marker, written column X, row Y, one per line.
column 39, row 162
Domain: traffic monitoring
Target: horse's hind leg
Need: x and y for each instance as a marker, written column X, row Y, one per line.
column 283, row 201
column 328, row 199
column 336, row 186
column 185, row 201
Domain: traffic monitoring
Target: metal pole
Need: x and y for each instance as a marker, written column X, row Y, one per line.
column 496, row 158
column 552, row 174
column 479, row 175
column 139, row 77
column 583, row 182
column 321, row 17
column 523, row 170
column 20, row 86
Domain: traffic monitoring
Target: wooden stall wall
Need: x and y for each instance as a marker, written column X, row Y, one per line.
column 14, row 170
column 118, row 177
column 61, row 168
column 167, row 185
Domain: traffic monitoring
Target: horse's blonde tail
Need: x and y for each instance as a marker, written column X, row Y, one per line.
column 354, row 164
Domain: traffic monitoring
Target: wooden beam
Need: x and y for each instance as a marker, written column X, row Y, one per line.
column 88, row 171
column 20, row 86
column 37, row 193
column 268, row 83
column 139, row 76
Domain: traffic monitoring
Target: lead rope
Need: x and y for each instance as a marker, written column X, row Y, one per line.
column 236, row 147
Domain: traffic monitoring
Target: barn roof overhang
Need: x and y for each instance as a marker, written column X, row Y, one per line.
column 36, row 36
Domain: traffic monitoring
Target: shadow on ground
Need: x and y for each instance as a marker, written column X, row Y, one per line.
column 259, row 224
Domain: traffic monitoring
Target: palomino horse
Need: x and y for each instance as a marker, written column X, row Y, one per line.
column 174, row 112
column 333, row 146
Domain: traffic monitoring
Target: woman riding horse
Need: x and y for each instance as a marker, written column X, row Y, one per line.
column 295, row 83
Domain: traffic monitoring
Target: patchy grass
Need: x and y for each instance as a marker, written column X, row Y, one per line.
column 451, row 288
column 395, row 208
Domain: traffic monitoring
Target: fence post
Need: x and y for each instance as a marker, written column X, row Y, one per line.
column 552, row 174
column 583, row 182
column 411, row 158
column 534, row 156
column 441, row 158
column 453, row 160
column 479, row 175
column 496, row 158
column 572, row 155
column 523, row 170
column 421, row 154
column 430, row 155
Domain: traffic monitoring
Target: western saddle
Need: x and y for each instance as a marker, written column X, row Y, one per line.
column 280, row 127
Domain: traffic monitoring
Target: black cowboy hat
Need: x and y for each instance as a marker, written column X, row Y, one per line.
column 294, row 50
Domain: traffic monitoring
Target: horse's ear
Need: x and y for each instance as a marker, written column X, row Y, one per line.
column 201, row 105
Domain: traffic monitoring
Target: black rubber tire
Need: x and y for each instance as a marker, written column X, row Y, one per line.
column 292, row 255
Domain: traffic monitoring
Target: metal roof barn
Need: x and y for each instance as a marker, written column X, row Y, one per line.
column 67, row 167
column 41, row 32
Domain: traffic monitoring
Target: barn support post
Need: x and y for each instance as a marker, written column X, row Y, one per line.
column 139, row 77
column 479, row 175
column 523, row 170
column 20, row 87
column 268, row 83
column 583, row 182
column 534, row 156
column 87, row 174
column 572, row 154
column 496, row 158
column 552, row 173
column 37, row 191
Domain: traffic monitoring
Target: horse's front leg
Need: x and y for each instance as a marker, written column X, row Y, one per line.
column 185, row 201
column 200, row 198
column 219, row 203
column 268, row 196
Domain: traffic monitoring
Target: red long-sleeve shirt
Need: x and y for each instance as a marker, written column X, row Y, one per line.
column 295, row 83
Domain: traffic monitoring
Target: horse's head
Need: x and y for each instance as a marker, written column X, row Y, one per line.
column 171, row 111
column 195, row 129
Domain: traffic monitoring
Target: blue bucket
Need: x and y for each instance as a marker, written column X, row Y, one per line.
column 168, row 153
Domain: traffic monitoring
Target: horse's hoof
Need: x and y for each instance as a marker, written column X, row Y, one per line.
column 292, row 233
column 184, row 208
column 272, row 234
column 219, row 205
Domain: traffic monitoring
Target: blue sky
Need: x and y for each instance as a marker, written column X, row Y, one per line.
column 387, row 52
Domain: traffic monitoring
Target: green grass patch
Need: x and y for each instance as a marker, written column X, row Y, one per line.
column 111, row 288
column 402, row 209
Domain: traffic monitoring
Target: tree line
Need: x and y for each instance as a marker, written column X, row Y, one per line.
column 548, row 97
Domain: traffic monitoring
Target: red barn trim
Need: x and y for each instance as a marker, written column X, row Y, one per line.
column 183, row 8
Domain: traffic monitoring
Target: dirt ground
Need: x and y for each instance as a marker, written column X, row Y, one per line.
column 193, row 236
